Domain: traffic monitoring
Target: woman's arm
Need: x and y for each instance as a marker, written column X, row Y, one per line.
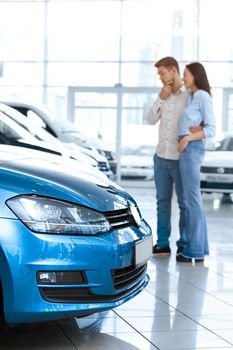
column 206, row 108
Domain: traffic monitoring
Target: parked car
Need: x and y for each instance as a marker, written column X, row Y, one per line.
column 28, row 155
column 42, row 135
column 103, row 163
column 64, row 130
column 217, row 167
column 69, row 247
column 137, row 162
column 11, row 133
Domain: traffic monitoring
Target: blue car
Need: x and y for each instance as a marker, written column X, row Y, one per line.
column 70, row 246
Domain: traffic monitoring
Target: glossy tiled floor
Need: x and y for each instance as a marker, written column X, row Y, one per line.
column 184, row 306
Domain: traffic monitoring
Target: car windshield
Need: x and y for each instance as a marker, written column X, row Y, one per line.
column 11, row 130
column 67, row 127
column 64, row 124
column 225, row 145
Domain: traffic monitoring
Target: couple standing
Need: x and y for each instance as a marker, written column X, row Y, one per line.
column 186, row 118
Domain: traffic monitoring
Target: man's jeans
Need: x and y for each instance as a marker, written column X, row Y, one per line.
column 166, row 175
column 190, row 163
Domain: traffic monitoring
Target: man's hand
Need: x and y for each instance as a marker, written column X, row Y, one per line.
column 165, row 91
column 194, row 129
column 183, row 143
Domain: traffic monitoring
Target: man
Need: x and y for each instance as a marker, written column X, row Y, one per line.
column 167, row 109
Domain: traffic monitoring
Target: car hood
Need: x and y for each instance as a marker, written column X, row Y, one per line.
column 219, row 159
column 89, row 152
column 22, row 176
column 9, row 152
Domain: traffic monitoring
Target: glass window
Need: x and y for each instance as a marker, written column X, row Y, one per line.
column 84, row 30
column 134, row 132
column 220, row 74
column 22, row 93
column 153, row 29
column 87, row 74
column 21, row 74
column 104, row 43
column 136, row 106
column 139, row 74
column 21, row 30
column 95, row 99
column 215, row 30
column 102, row 122
column 57, row 101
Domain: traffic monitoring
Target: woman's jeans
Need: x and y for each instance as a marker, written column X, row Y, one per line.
column 196, row 245
column 166, row 175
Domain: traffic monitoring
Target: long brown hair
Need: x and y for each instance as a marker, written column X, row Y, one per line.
column 200, row 77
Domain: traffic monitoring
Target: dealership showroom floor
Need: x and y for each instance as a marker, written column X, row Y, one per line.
column 184, row 306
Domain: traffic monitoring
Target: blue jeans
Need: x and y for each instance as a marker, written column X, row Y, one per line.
column 190, row 162
column 166, row 175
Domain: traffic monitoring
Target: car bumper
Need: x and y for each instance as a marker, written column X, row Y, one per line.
column 112, row 273
column 222, row 183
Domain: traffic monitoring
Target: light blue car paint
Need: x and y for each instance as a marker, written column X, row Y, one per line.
column 23, row 253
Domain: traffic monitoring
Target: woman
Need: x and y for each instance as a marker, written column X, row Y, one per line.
column 199, row 111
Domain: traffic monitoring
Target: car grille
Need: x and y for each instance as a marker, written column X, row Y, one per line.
column 128, row 276
column 103, row 166
column 120, row 218
column 216, row 186
column 214, row 170
column 79, row 295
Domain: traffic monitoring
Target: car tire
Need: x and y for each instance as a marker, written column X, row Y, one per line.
column 226, row 198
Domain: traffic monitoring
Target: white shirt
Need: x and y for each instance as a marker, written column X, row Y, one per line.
column 169, row 112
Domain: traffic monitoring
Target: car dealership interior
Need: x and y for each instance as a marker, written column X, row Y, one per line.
column 79, row 210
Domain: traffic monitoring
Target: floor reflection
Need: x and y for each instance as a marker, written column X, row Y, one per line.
column 84, row 333
column 88, row 334
column 176, row 321
column 90, row 341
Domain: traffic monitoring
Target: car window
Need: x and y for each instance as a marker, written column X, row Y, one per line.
column 230, row 146
column 225, row 145
column 10, row 129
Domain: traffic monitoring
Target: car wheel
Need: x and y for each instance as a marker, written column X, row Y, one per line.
column 226, row 198
column 3, row 326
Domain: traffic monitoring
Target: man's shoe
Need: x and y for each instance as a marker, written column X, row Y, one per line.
column 158, row 251
column 181, row 258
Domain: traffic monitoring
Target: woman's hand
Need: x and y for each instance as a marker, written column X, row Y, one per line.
column 183, row 143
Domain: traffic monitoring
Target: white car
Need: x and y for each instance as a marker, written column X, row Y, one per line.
column 27, row 156
column 68, row 151
column 217, row 168
column 66, row 132
column 137, row 162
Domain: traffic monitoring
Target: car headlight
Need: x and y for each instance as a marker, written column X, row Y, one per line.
column 48, row 215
